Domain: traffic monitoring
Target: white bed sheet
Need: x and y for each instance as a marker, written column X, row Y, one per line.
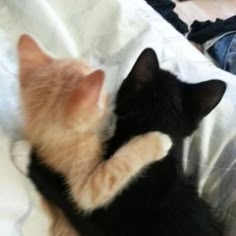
column 110, row 34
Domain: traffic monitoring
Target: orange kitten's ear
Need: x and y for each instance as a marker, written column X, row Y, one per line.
column 30, row 54
column 86, row 95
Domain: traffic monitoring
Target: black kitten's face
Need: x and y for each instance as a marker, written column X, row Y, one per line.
column 154, row 99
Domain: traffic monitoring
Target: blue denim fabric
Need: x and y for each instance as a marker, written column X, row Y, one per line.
column 224, row 52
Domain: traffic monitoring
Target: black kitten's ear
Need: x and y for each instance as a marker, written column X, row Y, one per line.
column 205, row 96
column 145, row 68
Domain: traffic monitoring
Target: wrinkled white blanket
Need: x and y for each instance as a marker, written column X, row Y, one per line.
column 110, row 34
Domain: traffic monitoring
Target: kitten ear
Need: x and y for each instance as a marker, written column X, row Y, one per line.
column 30, row 54
column 145, row 68
column 86, row 95
column 205, row 96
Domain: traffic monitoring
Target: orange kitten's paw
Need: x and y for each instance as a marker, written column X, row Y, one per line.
column 158, row 143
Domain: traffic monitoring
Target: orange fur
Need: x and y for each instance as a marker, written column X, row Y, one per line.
column 64, row 109
column 59, row 224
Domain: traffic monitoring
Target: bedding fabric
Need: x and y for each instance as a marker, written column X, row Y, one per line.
column 108, row 34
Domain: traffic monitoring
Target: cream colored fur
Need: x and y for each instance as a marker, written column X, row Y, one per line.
column 64, row 107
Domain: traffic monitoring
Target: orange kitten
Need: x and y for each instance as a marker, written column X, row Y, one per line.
column 64, row 108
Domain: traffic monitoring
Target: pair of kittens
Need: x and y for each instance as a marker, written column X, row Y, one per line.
column 64, row 109
column 121, row 186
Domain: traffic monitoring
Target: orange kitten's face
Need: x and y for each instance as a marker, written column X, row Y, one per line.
column 59, row 96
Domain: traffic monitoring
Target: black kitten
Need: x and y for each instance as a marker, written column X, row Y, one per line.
column 162, row 201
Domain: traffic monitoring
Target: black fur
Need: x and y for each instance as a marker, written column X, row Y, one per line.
column 162, row 201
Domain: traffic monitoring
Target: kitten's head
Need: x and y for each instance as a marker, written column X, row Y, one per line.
column 59, row 96
column 154, row 99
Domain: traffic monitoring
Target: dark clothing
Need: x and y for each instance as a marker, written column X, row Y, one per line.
column 223, row 52
column 203, row 31
column 223, row 47
column 166, row 9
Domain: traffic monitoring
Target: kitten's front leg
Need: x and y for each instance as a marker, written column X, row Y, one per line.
column 60, row 226
column 110, row 177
